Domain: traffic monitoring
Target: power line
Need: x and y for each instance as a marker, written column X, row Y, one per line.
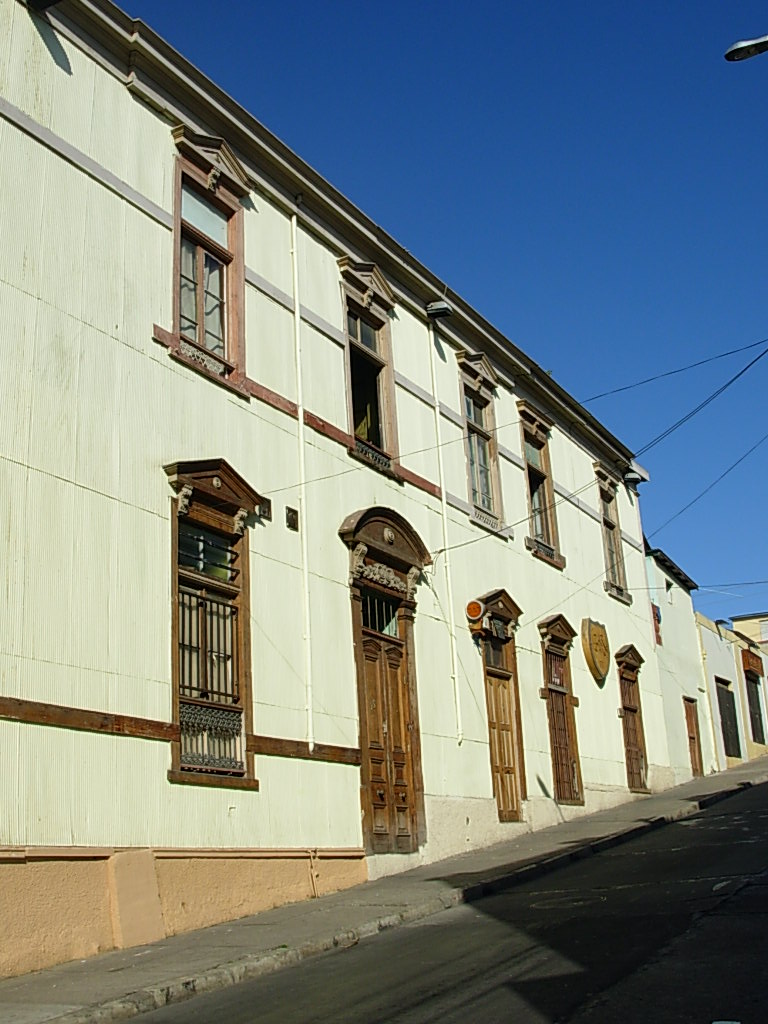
column 709, row 487
column 742, row 583
column 702, row 405
column 671, row 373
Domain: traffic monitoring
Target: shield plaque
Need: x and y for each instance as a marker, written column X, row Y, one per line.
column 597, row 651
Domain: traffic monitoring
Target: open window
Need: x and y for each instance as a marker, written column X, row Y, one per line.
column 368, row 304
column 211, row 601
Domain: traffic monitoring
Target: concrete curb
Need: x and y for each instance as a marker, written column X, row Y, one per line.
column 254, row 966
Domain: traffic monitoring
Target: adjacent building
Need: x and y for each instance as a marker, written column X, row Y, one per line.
column 687, row 710
column 734, row 668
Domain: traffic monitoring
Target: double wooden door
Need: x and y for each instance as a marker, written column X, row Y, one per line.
column 387, row 736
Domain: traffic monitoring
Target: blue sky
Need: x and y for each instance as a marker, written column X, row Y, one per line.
column 590, row 176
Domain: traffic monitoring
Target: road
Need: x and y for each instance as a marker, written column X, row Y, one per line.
column 671, row 927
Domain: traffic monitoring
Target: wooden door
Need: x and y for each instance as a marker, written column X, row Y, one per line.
column 389, row 803
column 694, row 742
column 634, row 739
column 565, row 760
column 504, row 728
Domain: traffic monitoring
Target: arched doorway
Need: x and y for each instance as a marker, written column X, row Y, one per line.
column 386, row 559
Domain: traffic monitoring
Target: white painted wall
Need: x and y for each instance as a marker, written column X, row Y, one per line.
column 91, row 409
column 681, row 671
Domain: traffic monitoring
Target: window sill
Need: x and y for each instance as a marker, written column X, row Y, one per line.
column 617, row 592
column 173, row 342
column 488, row 521
column 206, row 779
column 545, row 552
column 373, row 457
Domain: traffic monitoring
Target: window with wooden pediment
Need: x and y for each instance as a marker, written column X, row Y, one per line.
column 478, row 384
column 615, row 582
column 368, row 304
column 386, row 559
column 208, row 332
column 494, row 633
column 542, row 540
column 556, row 638
column 211, row 601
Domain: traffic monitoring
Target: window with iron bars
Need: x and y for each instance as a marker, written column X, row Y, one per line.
column 210, row 696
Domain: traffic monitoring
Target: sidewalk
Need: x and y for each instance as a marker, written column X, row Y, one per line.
column 121, row 984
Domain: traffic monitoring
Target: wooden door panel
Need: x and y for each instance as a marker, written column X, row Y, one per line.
column 503, row 737
column 694, row 742
column 632, row 725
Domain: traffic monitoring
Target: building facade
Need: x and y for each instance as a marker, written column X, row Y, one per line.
column 734, row 668
column 687, row 711
column 311, row 574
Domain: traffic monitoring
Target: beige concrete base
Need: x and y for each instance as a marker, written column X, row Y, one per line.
column 59, row 904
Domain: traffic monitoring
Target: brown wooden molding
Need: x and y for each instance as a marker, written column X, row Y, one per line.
column 187, row 778
column 410, row 477
column 328, row 429
column 276, row 747
column 272, row 398
column 34, row 712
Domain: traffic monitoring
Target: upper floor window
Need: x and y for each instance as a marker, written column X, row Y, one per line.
column 212, row 671
column 368, row 302
column 542, row 541
column 615, row 576
column 478, row 382
column 203, row 273
column 209, row 275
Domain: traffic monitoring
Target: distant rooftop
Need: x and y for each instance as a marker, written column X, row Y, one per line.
column 671, row 568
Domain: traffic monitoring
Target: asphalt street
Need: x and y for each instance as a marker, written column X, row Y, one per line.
column 671, row 927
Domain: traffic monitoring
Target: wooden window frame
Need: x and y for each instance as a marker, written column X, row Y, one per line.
column 556, row 638
column 479, row 381
column 534, row 427
column 210, row 494
column 366, row 294
column 615, row 582
column 207, row 166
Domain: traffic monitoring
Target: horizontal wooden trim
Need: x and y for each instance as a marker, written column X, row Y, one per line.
column 249, row 853
column 277, row 747
column 27, row 854
column 328, row 429
column 272, row 398
column 34, row 712
column 409, row 477
column 206, row 779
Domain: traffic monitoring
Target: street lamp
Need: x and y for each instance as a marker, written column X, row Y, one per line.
column 747, row 48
